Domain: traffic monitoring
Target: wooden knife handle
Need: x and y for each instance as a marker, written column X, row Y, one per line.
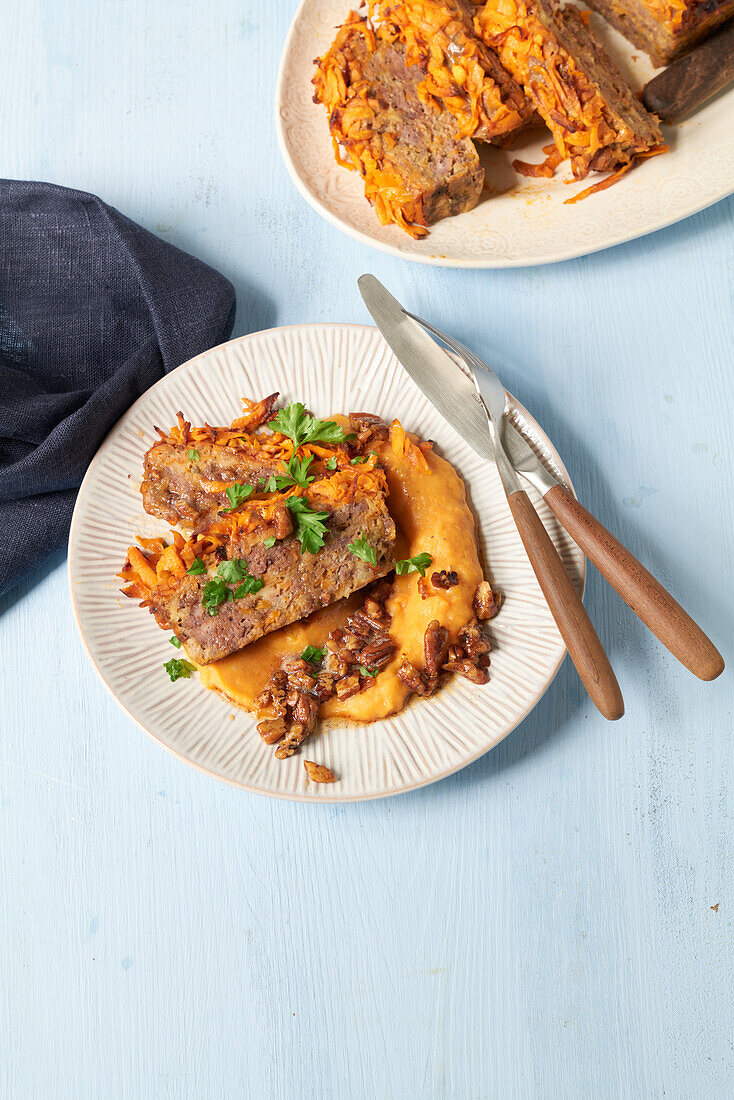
column 584, row 647
column 637, row 587
column 693, row 79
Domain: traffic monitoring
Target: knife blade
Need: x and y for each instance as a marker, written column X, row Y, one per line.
column 434, row 371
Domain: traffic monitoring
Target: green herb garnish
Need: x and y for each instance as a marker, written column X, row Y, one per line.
column 214, row 593
column 357, row 461
column 196, row 568
column 275, row 484
column 367, row 671
column 233, row 570
column 179, row 669
column 362, row 549
column 175, row 642
column 193, row 455
column 270, row 541
column 237, row 494
column 331, row 463
column 418, row 564
column 313, row 654
column 236, row 570
column 249, row 587
column 310, row 527
column 298, row 468
column 295, row 422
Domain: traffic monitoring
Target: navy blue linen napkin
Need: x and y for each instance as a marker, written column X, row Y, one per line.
column 93, row 311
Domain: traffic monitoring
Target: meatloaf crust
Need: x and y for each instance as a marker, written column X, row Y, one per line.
column 415, row 165
column 665, row 29
column 595, row 118
column 182, row 491
column 295, row 584
column 462, row 74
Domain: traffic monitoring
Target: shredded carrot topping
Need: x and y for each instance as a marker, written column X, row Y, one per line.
column 602, row 185
column 573, row 108
column 456, row 65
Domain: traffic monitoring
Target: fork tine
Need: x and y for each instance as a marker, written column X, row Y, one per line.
column 456, row 345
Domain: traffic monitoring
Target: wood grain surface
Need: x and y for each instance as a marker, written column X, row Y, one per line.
column 553, row 922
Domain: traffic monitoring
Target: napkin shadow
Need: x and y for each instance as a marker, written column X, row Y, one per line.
column 255, row 310
column 11, row 598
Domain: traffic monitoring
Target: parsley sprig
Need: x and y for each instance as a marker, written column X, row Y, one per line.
column 178, row 669
column 418, row 564
column 296, row 474
column 295, row 422
column 193, row 455
column 214, row 593
column 313, row 654
column 237, row 494
column 310, row 526
column 217, row 591
column 362, row 549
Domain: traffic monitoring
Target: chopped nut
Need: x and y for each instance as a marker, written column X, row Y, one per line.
column 369, row 428
column 447, row 578
column 378, row 653
column 305, row 710
column 469, row 670
column 486, row 602
column 473, row 641
column 296, row 735
column 272, row 731
column 318, row 773
column 348, row 687
column 435, row 649
column 412, row 678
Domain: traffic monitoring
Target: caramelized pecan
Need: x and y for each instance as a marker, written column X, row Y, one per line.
column 435, row 649
column 369, row 428
column 469, row 670
column 348, row 687
column 272, row 731
column 318, row 773
column 447, row 578
column 473, row 641
column 412, row 678
column 296, row 735
column 486, row 602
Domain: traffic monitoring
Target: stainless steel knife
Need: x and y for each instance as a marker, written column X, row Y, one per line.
column 655, row 606
column 479, row 420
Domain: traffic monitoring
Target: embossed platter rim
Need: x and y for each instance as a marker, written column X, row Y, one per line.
column 527, row 224
column 330, row 367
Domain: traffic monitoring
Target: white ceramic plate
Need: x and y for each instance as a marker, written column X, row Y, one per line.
column 522, row 222
column 331, row 368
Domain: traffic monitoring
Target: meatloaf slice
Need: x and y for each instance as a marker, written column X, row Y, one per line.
column 295, row 583
column 461, row 72
column 190, row 491
column 415, row 165
column 665, row 29
column 594, row 116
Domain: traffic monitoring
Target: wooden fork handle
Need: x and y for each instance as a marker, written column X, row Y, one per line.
column 638, row 588
column 584, row 647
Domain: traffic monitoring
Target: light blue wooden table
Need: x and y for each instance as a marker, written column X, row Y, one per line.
column 553, row 922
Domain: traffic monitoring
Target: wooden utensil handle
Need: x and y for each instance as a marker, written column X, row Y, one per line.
column 584, row 647
column 693, row 79
column 637, row 587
